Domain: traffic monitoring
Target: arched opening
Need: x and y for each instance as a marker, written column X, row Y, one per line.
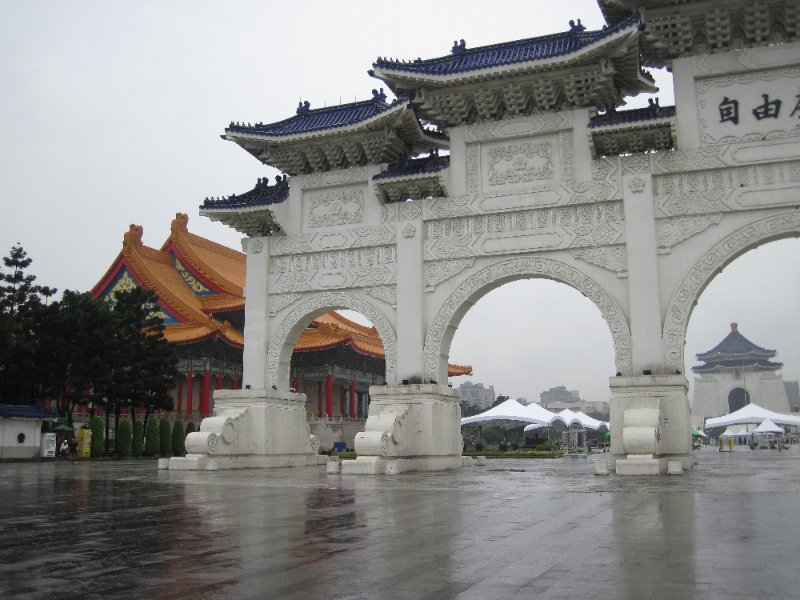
column 754, row 294
column 337, row 357
column 534, row 340
column 738, row 398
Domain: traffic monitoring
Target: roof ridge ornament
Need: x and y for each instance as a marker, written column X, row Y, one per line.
column 303, row 107
column 576, row 27
column 133, row 237
column 459, row 47
column 379, row 96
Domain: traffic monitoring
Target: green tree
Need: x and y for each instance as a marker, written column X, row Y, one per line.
column 77, row 351
column 164, row 437
column 145, row 362
column 152, row 441
column 123, row 439
column 178, row 439
column 190, row 427
column 138, row 435
column 22, row 303
column 98, row 446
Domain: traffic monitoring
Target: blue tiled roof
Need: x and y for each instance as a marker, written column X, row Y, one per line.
column 636, row 115
column 415, row 166
column 261, row 195
column 462, row 59
column 735, row 344
column 36, row 411
column 308, row 120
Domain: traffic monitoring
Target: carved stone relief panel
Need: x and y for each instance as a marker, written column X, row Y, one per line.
column 331, row 208
column 384, row 293
column 441, row 270
column 673, row 231
column 525, row 231
column 527, row 164
column 277, row 302
column 612, row 258
column 697, row 278
column 520, row 268
column 333, row 178
column 603, row 187
column 352, row 268
column 760, row 105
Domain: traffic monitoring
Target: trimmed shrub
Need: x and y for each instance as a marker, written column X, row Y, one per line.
column 138, row 434
column 151, row 439
column 164, row 437
column 178, row 439
column 98, row 436
column 123, row 439
column 503, row 446
column 478, row 447
column 190, row 428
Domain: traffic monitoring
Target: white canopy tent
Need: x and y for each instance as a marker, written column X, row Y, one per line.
column 507, row 414
column 569, row 418
column 751, row 413
column 767, row 426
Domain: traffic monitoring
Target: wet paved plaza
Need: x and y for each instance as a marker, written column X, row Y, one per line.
column 513, row 529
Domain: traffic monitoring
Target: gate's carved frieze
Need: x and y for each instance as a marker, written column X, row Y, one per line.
column 612, row 258
column 335, row 178
column 724, row 190
column 538, row 123
column 441, row 270
column 355, row 267
column 364, row 236
column 517, row 268
column 711, row 263
column 323, row 302
column 545, row 229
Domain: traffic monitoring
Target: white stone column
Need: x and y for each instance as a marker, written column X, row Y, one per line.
column 256, row 329
column 641, row 246
column 410, row 294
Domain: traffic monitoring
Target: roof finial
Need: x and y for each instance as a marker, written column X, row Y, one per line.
column 303, row 107
column 379, row 95
column 133, row 237
column 180, row 223
column 576, row 27
column 458, row 47
column 734, row 327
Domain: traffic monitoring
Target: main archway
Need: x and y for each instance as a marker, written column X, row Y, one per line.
column 440, row 333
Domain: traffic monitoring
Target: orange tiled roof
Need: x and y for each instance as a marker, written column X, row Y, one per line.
column 225, row 269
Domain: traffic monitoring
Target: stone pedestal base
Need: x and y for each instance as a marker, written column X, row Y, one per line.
column 413, row 427
column 650, row 424
column 251, row 429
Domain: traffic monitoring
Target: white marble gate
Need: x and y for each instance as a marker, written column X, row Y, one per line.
column 638, row 210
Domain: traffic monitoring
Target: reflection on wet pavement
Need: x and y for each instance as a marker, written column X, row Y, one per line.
column 514, row 529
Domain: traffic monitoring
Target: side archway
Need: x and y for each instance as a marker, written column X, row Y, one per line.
column 686, row 295
column 281, row 346
column 440, row 333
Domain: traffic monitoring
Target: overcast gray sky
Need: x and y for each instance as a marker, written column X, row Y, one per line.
column 111, row 114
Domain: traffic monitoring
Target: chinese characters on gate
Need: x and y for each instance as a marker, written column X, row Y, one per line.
column 768, row 109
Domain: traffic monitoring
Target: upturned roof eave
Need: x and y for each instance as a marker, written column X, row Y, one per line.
column 335, row 131
column 417, row 78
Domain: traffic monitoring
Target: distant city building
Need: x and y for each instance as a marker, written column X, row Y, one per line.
column 477, row 395
column 737, row 372
column 559, row 394
column 558, row 398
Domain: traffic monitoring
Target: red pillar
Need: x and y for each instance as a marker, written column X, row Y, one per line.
column 352, row 399
column 205, row 393
column 189, row 393
column 296, row 384
column 329, row 396
column 235, row 381
column 319, row 399
column 220, row 383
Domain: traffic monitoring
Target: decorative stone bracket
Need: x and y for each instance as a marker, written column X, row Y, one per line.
column 251, row 429
column 413, row 427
